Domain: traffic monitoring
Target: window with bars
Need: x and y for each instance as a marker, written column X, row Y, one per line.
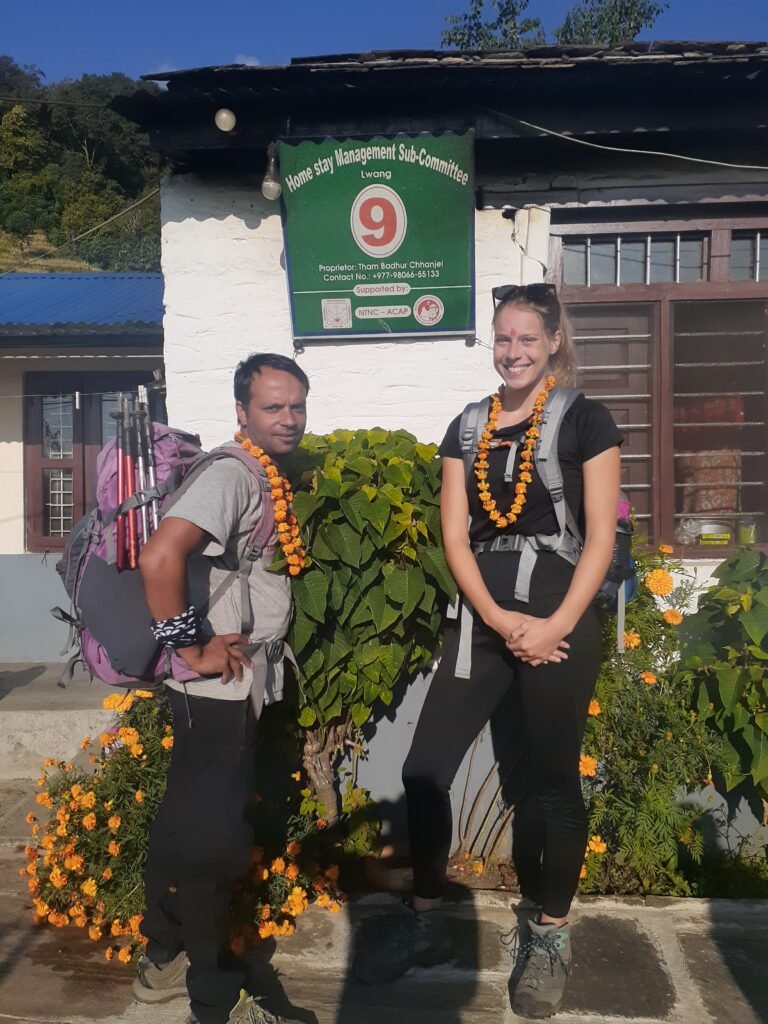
column 676, row 258
column 67, row 420
column 749, row 256
column 686, row 381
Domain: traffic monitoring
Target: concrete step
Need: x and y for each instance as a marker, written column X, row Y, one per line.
column 39, row 719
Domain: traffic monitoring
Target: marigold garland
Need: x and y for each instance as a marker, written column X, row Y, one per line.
column 288, row 533
column 525, row 468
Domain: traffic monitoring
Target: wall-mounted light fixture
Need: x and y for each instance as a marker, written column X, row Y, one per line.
column 270, row 186
column 225, row 120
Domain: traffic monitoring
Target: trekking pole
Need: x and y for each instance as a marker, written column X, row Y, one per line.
column 141, row 469
column 130, row 488
column 145, row 421
column 120, row 453
column 146, row 430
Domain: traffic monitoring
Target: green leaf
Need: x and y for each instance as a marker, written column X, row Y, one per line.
column 311, row 594
column 302, row 632
column 305, row 505
column 434, row 564
column 313, row 664
column 340, row 648
column 391, row 658
column 346, row 543
column 728, row 681
column 321, row 547
column 426, row 451
column 756, row 622
column 307, row 718
column 370, row 691
column 757, row 741
column 360, row 714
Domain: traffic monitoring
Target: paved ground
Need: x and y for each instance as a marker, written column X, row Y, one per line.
column 636, row 962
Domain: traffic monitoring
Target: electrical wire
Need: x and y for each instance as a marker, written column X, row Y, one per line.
column 624, row 149
column 53, row 103
column 84, row 234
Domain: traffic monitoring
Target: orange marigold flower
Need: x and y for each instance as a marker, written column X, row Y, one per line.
column 114, row 822
column 74, row 862
column 631, row 639
column 277, row 867
column 109, row 953
column 137, row 750
column 583, row 872
column 113, row 848
column 89, row 887
column 594, row 708
column 44, row 800
column 89, row 822
column 106, row 874
column 334, row 906
column 648, row 678
column 660, row 582
column 587, row 766
column 138, row 796
column 293, row 849
column 265, row 913
column 672, row 616
column 166, row 742
column 30, row 818
column 94, row 933
column 597, row 845
column 57, row 879
column 88, row 799
column 144, row 694
column 323, row 899
column 665, row 549
column 267, row 929
column 294, row 570
column 124, row 956
column 105, row 738
column 291, row 872
column 321, row 823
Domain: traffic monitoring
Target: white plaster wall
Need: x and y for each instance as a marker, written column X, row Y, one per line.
column 226, row 295
column 11, row 460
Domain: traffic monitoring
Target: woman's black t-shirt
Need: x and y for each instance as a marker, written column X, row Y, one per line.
column 587, row 430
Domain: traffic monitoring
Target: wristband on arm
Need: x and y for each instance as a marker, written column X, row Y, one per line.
column 179, row 631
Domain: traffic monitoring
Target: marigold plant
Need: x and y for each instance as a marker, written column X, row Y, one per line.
column 85, row 862
column 646, row 748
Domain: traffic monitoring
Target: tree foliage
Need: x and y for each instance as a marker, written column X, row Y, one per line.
column 503, row 24
column 66, row 168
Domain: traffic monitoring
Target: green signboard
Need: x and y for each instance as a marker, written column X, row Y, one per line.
column 379, row 235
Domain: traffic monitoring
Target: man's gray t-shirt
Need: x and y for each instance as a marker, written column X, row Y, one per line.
column 225, row 501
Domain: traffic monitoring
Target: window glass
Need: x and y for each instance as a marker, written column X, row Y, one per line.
column 58, row 502
column 633, row 261
column 743, row 258
column 691, row 260
column 662, row 260
column 603, row 262
column 575, row 262
column 58, row 426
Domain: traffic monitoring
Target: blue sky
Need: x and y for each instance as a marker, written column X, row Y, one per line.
column 69, row 38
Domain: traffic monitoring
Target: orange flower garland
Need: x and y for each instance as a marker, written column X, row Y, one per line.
column 532, row 435
column 288, row 533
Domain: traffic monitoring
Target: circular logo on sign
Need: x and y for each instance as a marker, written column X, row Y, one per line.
column 428, row 310
column 378, row 220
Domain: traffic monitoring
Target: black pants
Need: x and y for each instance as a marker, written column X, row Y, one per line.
column 537, row 724
column 199, row 846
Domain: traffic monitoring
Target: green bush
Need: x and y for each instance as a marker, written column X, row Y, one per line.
column 369, row 606
column 724, row 660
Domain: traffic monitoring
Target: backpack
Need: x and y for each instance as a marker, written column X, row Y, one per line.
column 109, row 619
column 620, row 583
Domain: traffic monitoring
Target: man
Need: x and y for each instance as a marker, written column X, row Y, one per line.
column 200, row 843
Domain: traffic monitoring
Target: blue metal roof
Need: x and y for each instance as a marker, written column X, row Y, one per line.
column 51, row 304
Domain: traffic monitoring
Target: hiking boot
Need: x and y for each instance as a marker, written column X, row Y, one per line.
column 250, row 1011
column 157, row 983
column 518, row 937
column 387, row 946
column 547, row 954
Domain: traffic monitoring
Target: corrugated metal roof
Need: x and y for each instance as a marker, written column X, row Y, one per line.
column 46, row 304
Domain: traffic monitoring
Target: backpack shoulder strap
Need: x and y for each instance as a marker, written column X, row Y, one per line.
column 471, row 424
column 547, row 457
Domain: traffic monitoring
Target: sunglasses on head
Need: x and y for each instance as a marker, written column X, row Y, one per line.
column 528, row 292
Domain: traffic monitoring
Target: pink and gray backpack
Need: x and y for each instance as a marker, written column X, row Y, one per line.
column 109, row 617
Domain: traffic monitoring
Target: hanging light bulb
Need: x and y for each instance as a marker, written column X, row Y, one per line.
column 270, row 186
column 225, row 120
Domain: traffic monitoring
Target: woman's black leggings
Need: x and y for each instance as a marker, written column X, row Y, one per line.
column 537, row 720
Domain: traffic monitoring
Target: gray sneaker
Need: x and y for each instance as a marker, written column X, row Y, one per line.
column 518, row 937
column 547, row 961
column 250, row 1011
column 389, row 945
column 158, row 984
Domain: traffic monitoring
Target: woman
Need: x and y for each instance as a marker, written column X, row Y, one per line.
column 533, row 664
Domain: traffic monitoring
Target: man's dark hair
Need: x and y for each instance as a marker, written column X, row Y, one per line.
column 255, row 363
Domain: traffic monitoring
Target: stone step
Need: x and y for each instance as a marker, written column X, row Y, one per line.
column 39, row 719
